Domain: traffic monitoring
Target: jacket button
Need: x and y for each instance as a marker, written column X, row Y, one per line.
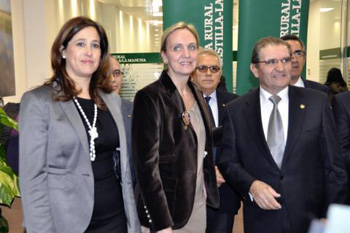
column 281, row 177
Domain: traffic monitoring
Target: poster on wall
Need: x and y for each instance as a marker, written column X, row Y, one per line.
column 140, row 69
column 266, row 18
column 7, row 71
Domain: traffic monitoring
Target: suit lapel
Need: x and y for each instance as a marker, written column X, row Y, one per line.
column 73, row 116
column 297, row 110
column 252, row 112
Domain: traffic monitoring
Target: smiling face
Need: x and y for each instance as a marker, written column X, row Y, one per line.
column 207, row 81
column 273, row 78
column 82, row 54
column 181, row 53
column 298, row 62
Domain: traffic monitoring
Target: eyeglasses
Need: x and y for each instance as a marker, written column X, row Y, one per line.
column 117, row 73
column 204, row 69
column 298, row 53
column 274, row 62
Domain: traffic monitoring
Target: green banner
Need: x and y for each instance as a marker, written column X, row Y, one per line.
column 213, row 20
column 258, row 19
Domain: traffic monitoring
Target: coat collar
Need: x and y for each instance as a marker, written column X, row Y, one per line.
column 176, row 98
column 253, row 115
column 73, row 116
column 113, row 104
column 297, row 110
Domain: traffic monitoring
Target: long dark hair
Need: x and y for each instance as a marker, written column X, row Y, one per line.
column 66, row 88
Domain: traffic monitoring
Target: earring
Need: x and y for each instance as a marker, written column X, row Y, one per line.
column 64, row 56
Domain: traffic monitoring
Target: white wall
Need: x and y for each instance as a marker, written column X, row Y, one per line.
column 35, row 24
column 18, row 49
column 313, row 42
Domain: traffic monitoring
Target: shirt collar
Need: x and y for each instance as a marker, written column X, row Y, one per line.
column 212, row 95
column 264, row 95
column 299, row 83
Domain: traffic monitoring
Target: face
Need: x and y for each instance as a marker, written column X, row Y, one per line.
column 116, row 75
column 207, row 81
column 273, row 77
column 181, row 53
column 83, row 54
column 298, row 62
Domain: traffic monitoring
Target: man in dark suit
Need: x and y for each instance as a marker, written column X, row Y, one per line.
column 126, row 106
column 341, row 111
column 298, row 62
column 279, row 148
column 207, row 77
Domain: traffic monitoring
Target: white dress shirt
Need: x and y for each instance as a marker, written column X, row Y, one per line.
column 213, row 103
column 299, row 83
column 266, row 107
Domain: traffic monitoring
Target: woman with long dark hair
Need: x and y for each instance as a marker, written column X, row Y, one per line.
column 74, row 169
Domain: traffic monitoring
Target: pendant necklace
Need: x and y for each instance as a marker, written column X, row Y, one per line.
column 92, row 128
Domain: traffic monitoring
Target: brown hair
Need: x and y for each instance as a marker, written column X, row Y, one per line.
column 264, row 42
column 99, row 80
column 295, row 38
column 174, row 27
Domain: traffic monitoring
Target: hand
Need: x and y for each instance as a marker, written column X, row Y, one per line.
column 219, row 179
column 264, row 196
column 323, row 221
column 166, row 230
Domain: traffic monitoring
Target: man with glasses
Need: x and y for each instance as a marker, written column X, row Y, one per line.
column 116, row 80
column 298, row 62
column 207, row 77
column 279, row 148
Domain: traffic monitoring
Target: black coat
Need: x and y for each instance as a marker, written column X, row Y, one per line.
column 312, row 175
column 229, row 199
column 165, row 156
column 341, row 111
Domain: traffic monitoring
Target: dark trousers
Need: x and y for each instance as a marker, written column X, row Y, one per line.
column 219, row 222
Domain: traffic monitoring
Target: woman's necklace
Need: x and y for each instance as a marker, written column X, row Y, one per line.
column 92, row 128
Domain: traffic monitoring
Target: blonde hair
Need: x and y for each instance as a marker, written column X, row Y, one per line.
column 174, row 27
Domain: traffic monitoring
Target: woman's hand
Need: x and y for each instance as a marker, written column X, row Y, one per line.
column 166, row 230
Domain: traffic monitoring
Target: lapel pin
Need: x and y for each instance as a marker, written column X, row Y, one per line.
column 224, row 105
column 302, row 106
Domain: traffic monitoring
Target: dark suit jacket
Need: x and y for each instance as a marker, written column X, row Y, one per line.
column 315, row 86
column 127, row 108
column 341, row 111
column 311, row 175
column 165, row 156
column 229, row 199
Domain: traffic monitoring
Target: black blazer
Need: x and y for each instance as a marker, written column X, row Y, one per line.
column 341, row 111
column 165, row 156
column 229, row 199
column 315, row 85
column 311, row 176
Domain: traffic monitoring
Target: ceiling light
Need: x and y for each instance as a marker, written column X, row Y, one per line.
column 326, row 9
